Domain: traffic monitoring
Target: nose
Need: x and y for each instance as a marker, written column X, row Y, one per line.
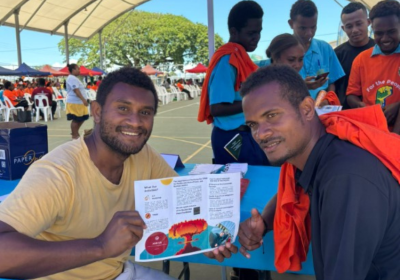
column 297, row 66
column 134, row 119
column 307, row 32
column 263, row 131
column 385, row 37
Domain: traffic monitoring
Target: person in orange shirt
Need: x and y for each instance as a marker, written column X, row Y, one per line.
column 12, row 95
column 94, row 87
column 375, row 73
column 49, row 86
column 20, row 90
column 181, row 87
column 28, row 89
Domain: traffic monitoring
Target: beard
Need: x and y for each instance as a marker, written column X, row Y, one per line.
column 109, row 135
column 290, row 154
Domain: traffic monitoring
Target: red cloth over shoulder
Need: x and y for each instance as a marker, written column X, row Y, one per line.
column 332, row 98
column 363, row 127
column 238, row 59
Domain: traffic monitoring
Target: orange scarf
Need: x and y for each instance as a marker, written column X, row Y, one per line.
column 238, row 59
column 365, row 128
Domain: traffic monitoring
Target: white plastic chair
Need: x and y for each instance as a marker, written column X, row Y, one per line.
column 91, row 94
column 179, row 94
column 58, row 96
column 27, row 97
column 58, row 108
column 10, row 107
column 2, row 111
column 42, row 104
column 163, row 94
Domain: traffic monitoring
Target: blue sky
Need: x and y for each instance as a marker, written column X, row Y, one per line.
column 40, row 48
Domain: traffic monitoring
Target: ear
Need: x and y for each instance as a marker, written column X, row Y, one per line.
column 342, row 28
column 290, row 23
column 368, row 22
column 307, row 108
column 233, row 32
column 95, row 109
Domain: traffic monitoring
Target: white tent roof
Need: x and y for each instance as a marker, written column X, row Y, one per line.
column 367, row 3
column 85, row 17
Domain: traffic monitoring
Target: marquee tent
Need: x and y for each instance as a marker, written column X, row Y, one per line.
column 25, row 70
column 200, row 68
column 83, row 71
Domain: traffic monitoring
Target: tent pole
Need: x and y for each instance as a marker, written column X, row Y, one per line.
column 210, row 12
column 66, row 42
column 17, row 34
column 101, row 49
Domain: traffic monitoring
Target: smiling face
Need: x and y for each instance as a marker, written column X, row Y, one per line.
column 127, row 118
column 304, row 28
column 247, row 36
column 387, row 33
column 292, row 57
column 281, row 130
column 355, row 25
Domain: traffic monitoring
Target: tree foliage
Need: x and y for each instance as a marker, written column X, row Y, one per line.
column 141, row 38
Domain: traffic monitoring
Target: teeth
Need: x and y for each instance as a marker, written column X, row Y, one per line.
column 130, row 133
column 272, row 144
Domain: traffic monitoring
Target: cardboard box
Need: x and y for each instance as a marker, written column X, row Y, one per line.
column 21, row 144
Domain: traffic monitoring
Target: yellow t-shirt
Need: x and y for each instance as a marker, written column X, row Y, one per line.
column 63, row 196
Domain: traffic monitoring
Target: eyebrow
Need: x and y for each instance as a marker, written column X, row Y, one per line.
column 123, row 101
column 264, row 114
column 268, row 112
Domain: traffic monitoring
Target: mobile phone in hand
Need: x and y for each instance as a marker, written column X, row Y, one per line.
column 323, row 75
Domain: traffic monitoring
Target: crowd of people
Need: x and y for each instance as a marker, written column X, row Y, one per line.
column 326, row 191
column 72, row 216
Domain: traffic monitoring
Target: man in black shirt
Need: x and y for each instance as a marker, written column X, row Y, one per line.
column 355, row 24
column 354, row 199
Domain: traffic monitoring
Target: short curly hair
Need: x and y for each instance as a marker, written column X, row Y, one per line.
column 352, row 7
column 242, row 12
column 305, row 8
column 384, row 9
column 294, row 89
column 127, row 75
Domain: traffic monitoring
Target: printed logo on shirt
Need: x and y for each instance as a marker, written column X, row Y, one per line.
column 74, row 86
column 383, row 93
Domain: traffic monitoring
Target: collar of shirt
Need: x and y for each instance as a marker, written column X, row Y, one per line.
column 377, row 51
column 305, row 177
column 313, row 47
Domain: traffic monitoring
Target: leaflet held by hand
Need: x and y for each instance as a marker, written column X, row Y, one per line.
column 187, row 215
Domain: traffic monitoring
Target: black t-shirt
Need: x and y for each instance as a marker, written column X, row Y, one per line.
column 346, row 54
column 355, row 212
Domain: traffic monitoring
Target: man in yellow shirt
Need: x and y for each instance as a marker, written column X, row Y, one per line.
column 73, row 216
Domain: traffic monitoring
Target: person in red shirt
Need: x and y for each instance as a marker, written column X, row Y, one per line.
column 99, row 81
column 41, row 89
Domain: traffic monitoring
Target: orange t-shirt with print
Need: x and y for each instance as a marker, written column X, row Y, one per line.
column 375, row 78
